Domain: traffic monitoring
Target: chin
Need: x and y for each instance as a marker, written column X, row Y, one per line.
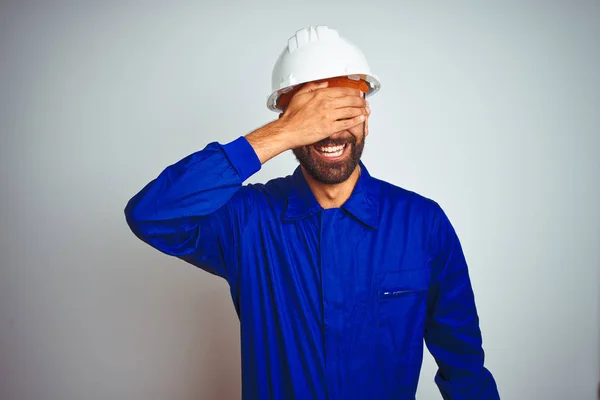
column 331, row 161
column 327, row 172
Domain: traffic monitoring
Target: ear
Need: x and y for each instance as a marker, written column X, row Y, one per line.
column 280, row 115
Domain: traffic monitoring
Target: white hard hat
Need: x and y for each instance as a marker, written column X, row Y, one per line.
column 318, row 53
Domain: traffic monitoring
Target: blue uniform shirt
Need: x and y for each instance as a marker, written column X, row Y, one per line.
column 333, row 303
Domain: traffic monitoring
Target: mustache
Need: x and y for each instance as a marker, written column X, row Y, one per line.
column 336, row 142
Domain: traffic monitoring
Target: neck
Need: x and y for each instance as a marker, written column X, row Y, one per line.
column 332, row 196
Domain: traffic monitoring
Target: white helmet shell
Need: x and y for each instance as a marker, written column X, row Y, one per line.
column 318, row 53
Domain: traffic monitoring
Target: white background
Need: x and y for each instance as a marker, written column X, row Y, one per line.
column 491, row 109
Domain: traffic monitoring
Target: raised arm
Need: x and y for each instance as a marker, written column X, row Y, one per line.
column 197, row 208
column 194, row 208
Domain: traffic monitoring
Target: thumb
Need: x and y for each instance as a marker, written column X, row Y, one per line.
column 311, row 86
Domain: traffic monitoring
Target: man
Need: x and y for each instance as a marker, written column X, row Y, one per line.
column 337, row 277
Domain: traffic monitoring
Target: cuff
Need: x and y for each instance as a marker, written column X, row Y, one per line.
column 242, row 157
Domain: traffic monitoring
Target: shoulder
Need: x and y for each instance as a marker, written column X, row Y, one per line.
column 422, row 214
column 393, row 196
column 274, row 191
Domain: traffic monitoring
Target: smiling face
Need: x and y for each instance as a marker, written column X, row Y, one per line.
column 332, row 160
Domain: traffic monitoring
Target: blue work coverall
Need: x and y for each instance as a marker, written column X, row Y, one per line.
column 333, row 303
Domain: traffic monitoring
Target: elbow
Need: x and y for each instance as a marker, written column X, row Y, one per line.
column 172, row 236
column 135, row 217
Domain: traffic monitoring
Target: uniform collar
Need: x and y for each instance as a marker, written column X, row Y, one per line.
column 363, row 203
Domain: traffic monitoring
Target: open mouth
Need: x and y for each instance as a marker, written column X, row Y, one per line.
column 331, row 152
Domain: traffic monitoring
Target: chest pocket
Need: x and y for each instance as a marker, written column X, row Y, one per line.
column 400, row 313
column 401, row 297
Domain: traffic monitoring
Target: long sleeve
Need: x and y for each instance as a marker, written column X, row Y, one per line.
column 452, row 332
column 196, row 208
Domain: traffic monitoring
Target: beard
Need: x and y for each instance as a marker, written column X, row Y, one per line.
column 331, row 172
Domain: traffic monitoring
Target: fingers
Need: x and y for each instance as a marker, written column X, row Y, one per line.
column 347, row 112
column 349, row 107
column 342, row 91
column 312, row 86
column 348, row 101
column 348, row 123
column 343, row 108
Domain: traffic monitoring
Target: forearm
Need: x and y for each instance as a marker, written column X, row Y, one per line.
column 271, row 140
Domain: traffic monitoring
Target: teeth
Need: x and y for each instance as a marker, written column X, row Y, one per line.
column 336, row 154
column 334, row 149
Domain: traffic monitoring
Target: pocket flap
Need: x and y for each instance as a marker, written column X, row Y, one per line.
column 399, row 283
